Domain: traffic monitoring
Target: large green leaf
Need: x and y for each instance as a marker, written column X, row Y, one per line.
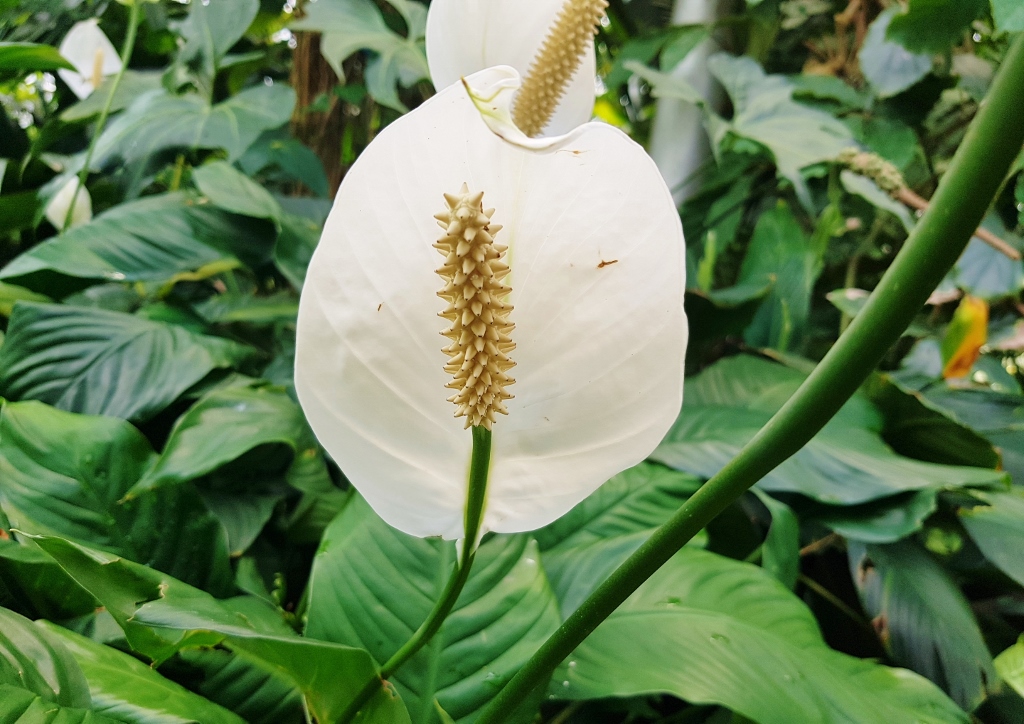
column 31, row 661
column 64, row 474
column 1010, row 666
column 150, row 239
column 34, row 585
column 935, row 26
column 161, row 615
column 1009, row 15
column 882, row 521
column 888, row 66
column 209, row 32
column 351, row 25
column 295, row 245
column 19, row 706
column 124, row 688
column 997, row 526
column 107, row 363
column 132, row 85
column 159, row 121
column 372, row 586
column 711, row 630
column 922, row 618
column 847, row 462
column 30, row 56
column 780, row 552
column 986, row 272
column 232, row 190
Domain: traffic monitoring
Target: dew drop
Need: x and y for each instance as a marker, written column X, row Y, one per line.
column 572, row 664
column 565, row 684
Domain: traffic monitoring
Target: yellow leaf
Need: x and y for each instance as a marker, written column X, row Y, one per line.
column 964, row 338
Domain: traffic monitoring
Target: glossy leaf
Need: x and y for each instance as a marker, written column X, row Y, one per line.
column 883, row 521
column 31, row 661
column 712, row 630
column 502, row 616
column 1010, row 666
column 231, row 190
column 923, row 619
column 124, row 688
column 30, row 56
column 32, row 584
column 780, row 552
column 66, row 474
column 997, row 527
column 20, row 706
column 209, row 32
column 888, row 66
column 847, row 462
column 935, row 26
column 106, row 363
column 1009, row 15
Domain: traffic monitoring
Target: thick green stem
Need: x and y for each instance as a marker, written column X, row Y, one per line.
column 476, row 499
column 126, row 54
column 963, row 197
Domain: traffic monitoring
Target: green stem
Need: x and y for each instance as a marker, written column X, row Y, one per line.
column 126, row 52
column 939, row 238
column 476, row 497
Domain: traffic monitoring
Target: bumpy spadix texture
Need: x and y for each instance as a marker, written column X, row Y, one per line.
column 480, row 334
column 596, row 258
column 466, row 36
column 555, row 64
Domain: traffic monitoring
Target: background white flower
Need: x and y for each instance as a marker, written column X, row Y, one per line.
column 597, row 257
column 88, row 49
column 57, row 210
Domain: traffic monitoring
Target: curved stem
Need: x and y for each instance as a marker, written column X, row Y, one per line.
column 126, row 53
column 476, row 497
column 984, row 158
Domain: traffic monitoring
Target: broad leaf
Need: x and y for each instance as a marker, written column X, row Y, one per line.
column 935, row 26
column 922, row 618
column 209, row 32
column 229, row 308
column 986, row 272
column 31, row 661
column 161, row 615
column 158, row 121
column 231, row 190
column 711, row 630
column 295, row 245
column 889, row 67
column 30, row 56
column 780, row 553
column 150, row 239
column 124, row 688
column 20, row 706
column 997, row 526
column 133, row 84
column 65, row 474
column 351, row 25
column 846, row 463
column 870, row 192
column 372, row 586
column 32, row 584
column 883, row 521
column 1009, row 15
column 1010, row 666
column 106, row 363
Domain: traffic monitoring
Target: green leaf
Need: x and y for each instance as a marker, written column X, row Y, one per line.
column 124, row 688
column 30, row 56
column 295, row 245
column 9, row 294
column 19, row 706
column 780, row 553
column 64, row 474
column 33, row 584
column 105, row 363
column 288, row 156
column 922, row 618
column 935, row 26
column 997, row 527
column 233, row 191
column 209, row 32
column 780, row 255
column 150, row 239
column 711, row 630
column 986, row 272
column 229, row 308
column 883, row 521
column 158, row 121
column 1008, row 15
column 889, row 67
column 133, row 84
column 1010, row 666
column 352, row 25
column 846, row 463
column 161, row 615
column 372, row 586
column 869, row 191
column 31, row 661
column 224, row 425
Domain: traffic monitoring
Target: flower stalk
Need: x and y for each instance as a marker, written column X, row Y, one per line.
column 476, row 499
column 126, row 53
column 992, row 143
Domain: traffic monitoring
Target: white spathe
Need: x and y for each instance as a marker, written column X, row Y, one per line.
column 466, row 36
column 597, row 276
column 57, row 209
column 88, row 49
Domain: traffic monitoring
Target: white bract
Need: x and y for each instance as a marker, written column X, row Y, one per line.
column 595, row 248
column 466, row 36
column 90, row 51
column 57, row 209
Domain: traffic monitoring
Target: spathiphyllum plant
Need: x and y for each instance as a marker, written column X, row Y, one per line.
column 559, row 332
column 88, row 49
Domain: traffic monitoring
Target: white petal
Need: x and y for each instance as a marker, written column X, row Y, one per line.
column 466, row 36
column 86, row 46
column 596, row 250
column 57, row 210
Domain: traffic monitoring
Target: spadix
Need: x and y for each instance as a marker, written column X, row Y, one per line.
column 594, row 287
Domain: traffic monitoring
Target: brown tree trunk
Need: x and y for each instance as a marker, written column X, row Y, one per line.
column 311, row 77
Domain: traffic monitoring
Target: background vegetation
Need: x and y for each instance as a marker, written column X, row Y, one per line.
column 163, row 501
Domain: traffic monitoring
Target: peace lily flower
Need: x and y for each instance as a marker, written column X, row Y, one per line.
column 561, row 264
column 57, row 209
column 88, row 49
column 550, row 43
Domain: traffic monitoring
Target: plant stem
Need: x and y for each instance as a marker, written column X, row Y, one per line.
column 992, row 143
column 476, row 497
column 126, row 54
